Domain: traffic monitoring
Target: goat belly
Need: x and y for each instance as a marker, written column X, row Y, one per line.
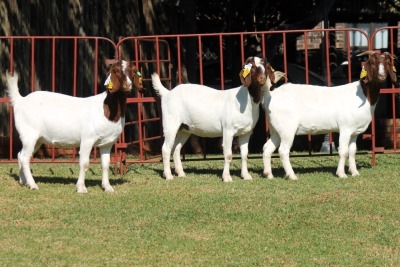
column 60, row 140
column 202, row 130
column 316, row 129
column 202, row 122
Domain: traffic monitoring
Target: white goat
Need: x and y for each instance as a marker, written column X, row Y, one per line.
column 206, row 112
column 294, row 109
column 65, row 121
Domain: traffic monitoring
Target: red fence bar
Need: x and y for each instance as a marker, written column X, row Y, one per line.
column 32, row 64
column 178, row 48
column 200, row 52
column 263, row 44
column 53, row 65
column 221, row 62
column 243, row 56
column 10, row 125
column 348, row 56
column 393, row 98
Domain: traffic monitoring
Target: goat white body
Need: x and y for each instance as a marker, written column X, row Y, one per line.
column 295, row 109
column 63, row 121
column 206, row 112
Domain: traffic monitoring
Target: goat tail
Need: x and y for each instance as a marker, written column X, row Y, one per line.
column 158, row 86
column 12, row 87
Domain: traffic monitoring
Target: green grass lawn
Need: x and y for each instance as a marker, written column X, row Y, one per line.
column 320, row 220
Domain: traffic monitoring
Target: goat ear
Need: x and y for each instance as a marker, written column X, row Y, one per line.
column 393, row 77
column 115, row 82
column 137, row 80
column 279, row 75
column 246, row 80
column 366, row 72
column 366, row 53
column 270, row 73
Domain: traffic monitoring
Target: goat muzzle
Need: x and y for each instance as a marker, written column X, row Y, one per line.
column 262, row 79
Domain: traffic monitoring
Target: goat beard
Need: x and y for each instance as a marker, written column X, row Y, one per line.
column 114, row 106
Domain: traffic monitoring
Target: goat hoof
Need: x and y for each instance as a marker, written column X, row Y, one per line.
column 341, row 175
column 227, row 178
column 181, row 174
column 356, row 173
column 292, row 177
column 168, row 176
column 81, row 189
column 33, row 187
column 108, row 189
column 269, row 176
column 247, row 177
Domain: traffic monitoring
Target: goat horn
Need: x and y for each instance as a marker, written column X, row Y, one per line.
column 366, row 53
column 390, row 55
column 279, row 75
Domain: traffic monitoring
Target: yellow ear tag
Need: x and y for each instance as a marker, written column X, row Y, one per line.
column 246, row 70
column 272, row 69
column 108, row 83
column 394, row 69
column 140, row 80
column 363, row 73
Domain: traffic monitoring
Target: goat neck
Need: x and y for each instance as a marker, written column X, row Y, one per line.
column 253, row 76
column 114, row 106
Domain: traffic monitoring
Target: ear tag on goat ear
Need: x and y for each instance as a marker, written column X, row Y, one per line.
column 272, row 69
column 140, row 76
column 363, row 73
column 108, row 83
column 394, row 69
column 246, row 70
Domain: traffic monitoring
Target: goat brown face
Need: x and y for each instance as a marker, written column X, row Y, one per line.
column 378, row 67
column 253, row 76
column 117, row 79
column 136, row 77
column 254, row 71
column 390, row 68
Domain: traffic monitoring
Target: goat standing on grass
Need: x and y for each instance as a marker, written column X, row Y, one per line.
column 207, row 112
column 66, row 121
column 298, row 109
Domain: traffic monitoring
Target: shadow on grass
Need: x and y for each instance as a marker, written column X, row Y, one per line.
column 69, row 180
column 304, row 165
column 317, row 166
column 205, row 171
column 278, row 171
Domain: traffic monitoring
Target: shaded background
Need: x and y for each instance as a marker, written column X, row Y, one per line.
column 117, row 19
